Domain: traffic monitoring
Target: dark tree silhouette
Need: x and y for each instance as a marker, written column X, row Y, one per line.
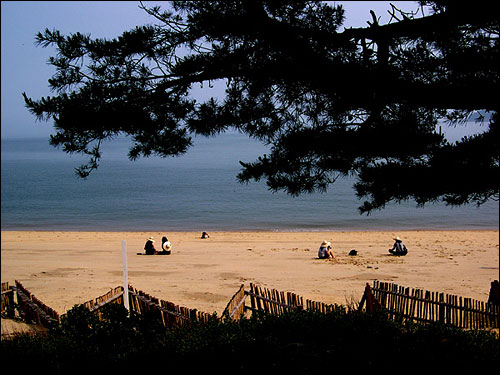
column 329, row 102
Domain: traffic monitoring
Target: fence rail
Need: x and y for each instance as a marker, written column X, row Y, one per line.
column 426, row 306
column 98, row 302
column 235, row 308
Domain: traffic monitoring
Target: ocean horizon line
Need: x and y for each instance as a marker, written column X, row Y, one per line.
column 304, row 230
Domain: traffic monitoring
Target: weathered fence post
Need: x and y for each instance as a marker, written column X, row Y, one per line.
column 441, row 308
column 372, row 303
column 125, row 276
column 8, row 300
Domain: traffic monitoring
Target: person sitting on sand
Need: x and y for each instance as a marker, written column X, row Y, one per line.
column 204, row 235
column 325, row 251
column 399, row 247
column 150, row 246
column 166, row 246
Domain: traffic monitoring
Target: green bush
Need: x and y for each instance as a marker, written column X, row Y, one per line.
column 299, row 342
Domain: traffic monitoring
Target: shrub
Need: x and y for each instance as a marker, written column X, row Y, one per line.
column 304, row 342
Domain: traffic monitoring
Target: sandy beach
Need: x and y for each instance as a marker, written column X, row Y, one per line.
column 67, row 268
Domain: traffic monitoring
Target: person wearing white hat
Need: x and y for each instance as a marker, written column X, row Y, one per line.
column 325, row 251
column 150, row 247
column 166, row 246
column 399, row 247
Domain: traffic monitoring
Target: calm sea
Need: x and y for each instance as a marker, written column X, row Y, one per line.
column 197, row 191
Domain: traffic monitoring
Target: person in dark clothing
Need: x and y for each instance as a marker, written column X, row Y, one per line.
column 166, row 246
column 150, row 246
column 399, row 247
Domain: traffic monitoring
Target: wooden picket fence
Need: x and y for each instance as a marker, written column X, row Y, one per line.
column 170, row 314
column 273, row 301
column 400, row 303
column 32, row 310
column 403, row 303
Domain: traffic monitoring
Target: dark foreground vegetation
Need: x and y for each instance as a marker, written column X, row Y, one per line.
column 299, row 342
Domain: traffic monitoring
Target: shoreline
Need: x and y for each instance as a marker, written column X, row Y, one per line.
column 388, row 229
column 64, row 268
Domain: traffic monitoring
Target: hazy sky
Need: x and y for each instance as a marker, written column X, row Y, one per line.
column 24, row 66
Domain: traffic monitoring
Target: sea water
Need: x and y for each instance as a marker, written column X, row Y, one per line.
column 197, row 191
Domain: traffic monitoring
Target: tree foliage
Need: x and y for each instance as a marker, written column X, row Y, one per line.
column 328, row 102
